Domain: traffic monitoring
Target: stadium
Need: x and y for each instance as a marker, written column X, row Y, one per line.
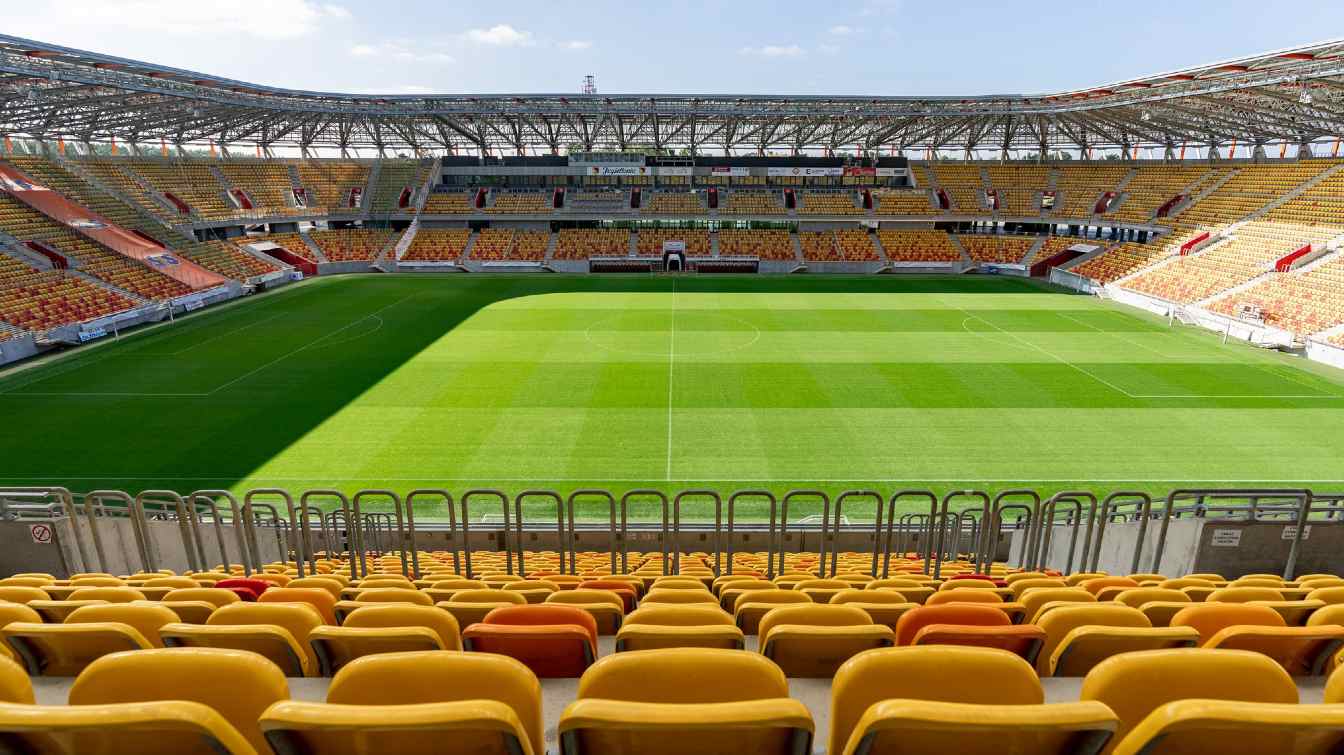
column 668, row 422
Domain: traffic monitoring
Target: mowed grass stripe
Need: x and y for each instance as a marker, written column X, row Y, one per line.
column 778, row 382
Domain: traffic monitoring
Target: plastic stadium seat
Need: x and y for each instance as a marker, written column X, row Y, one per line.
column 326, row 583
column 155, row 728
column 212, row 595
column 484, row 727
column 393, row 595
column 19, row 594
column 320, row 600
column 1243, row 594
column 1295, row 613
column 15, row 612
column 533, row 590
column 911, row 593
column 604, row 606
column 384, row 628
column 553, row 640
column 1023, row 640
column 108, row 594
column 252, row 585
column 1135, row 684
column 662, row 625
column 66, row 649
column 884, row 607
column 15, row 686
column 237, row 685
column 963, row 596
column 821, row 590
column 1189, row 727
column 1332, row 595
column 444, row 589
column 914, row 727
column 679, row 583
column 1079, row 637
column 278, row 631
column 679, row 597
column 1139, row 596
column 753, row 605
column 812, row 641
column 395, row 679
column 685, row 700
column 472, row 606
column 731, row 591
column 1040, row 600
column 1020, row 586
column 1241, row 626
column 55, row 611
column 973, row 676
column 961, row 614
column 1095, row 586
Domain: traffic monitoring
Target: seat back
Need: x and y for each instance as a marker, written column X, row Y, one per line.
column 238, row 685
column 1095, row 586
column 212, row 595
column 109, row 594
column 659, row 595
column 488, row 596
column 21, row 594
column 433, row 677
column 1136, row 597
column 158, row 728
column 393, row 595
column 1193, row 727
column 393, row 615
column 553, row 640
column 1244, row 594
column 1211, row 618
column 15, row 686
column 253, row 585
column 145, row 618
column 484, row 727
column 963, row 596
column 1020, row 586
column 321, row 600
column 945, row 673
column 670, row 615
column 781, row 726
column 296, row 618
column 966, row 614
column 1059, row 622
column 1135, row 684
column 1034, row 600
column 684, row 675
column 920, row 726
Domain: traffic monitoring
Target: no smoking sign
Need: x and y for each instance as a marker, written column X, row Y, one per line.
column 40, row 533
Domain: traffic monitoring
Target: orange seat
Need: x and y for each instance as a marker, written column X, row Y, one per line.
column 1302, row 651
column 552, row 639
column 1098, row 584
column 963, row 614
column 321, row 600
column 1024, row 640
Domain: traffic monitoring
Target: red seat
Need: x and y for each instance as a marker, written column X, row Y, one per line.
column 963, row 614
column 247, row 589
column 552, row 639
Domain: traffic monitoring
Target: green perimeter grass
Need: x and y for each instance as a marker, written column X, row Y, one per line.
column 671, row 383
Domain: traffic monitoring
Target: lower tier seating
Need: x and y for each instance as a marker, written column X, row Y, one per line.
column 1003, row 250
column 437, row 245
column 764, row 244
column 919, row 245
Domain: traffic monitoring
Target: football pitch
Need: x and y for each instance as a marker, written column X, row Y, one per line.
column 672, row 383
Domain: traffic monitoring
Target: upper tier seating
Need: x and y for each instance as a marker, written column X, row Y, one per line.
column 829, row 203
column 674, row 203
column 1018, row 187
column 902, row 202
column 520, row 203
column 1080, row 188
column 922, row 245
column 330, row 182
column 746, row 202
column 765, row 244
column 191, row 181
column 395, row 177
column 267, row 184
column 1151, row 188
column 450, row 203
column 963, row 186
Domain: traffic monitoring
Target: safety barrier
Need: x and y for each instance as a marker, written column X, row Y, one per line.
column 1066, row 531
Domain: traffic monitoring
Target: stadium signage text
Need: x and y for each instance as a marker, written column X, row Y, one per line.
column 618, row 170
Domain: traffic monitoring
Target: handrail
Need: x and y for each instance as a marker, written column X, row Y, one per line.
column 503, row 499
column 771, row 538
column 718, row 528
column 410, row 526
column 877, row 525
column 613, row 542
column 625, row 511
column 560, row 532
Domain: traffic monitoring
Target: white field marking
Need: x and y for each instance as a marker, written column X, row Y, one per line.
column 1117, row 388
column 355, row 337
column 180, row 352
column 310, row 344
column 1121, row 337
column 588, row 336
column 671, row 361
column 596, row 478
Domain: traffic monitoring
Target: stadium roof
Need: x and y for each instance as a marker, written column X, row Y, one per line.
column 1294, row 95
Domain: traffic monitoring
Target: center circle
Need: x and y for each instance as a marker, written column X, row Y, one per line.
column 698, row 333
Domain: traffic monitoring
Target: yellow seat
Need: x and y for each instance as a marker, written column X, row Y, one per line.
column 1079, row 636
column 237, row 685
column 470, row 606
column 884, row 607
column 684, row 700
column 1133, row 685
column 1194, row 727
column 1243, row 594
column 753, row 605
column 278, row 631
column 395, row 679
column 483, row 727
column 821, row 590
column 212, row 595
column 1020, row 586
column 325, row 582
column 15, row 686
column 55, row 611
column 384, row 628
column 605, row 607
column 171, row 727
column 66, row 649
column 393, row 595
column 533, row 590
column 109, row 593
column 666, row 625
column 658, row 595
column 936, row 673
column 812, row 641
column 916, row 727
column 21, row 594
column 146, row 617
column 10, row 613
column 731, row 591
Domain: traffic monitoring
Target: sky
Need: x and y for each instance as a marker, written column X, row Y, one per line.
column 870, row 47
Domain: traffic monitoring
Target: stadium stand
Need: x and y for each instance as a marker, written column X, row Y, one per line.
column 918, row 246
column 902, row 202
column 963, row 185
column 829, row 203
column 449, row 203
column 191, row 181
column 1151, row 188
column 353, row 244
column 520, row 203
column 331, row 183
column 1119, row 260
column 996, row 249
column 398, row 180
column 675, row 203
column 1081, row 189
column 582, row 243
column 40, row 300
column 765, row 244
column 267, row 184
column 650, row 241
column 746, row 202
column 1018, row 187
column 27, row 224
column 1300, row 302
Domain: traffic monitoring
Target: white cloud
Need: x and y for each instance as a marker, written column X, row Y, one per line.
column 500, row 35
column 264, row 19
column 576, row 44
column 841, row 30
column 774, row 51
column 401, row 50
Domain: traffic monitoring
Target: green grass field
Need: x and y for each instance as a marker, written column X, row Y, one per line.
column 673, row 383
